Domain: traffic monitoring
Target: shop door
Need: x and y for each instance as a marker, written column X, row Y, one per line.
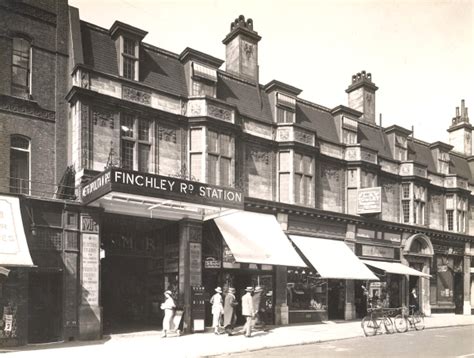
column 458, row 293
column 44, row 307
column 336, row 299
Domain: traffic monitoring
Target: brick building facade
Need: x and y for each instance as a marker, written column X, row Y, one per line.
column 145, row 169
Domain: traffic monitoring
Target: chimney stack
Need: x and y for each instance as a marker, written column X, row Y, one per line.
column 361, row 93
column 242, row 49
column 460, row 131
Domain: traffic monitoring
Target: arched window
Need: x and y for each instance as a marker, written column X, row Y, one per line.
column 20, row 164
column 21, row 67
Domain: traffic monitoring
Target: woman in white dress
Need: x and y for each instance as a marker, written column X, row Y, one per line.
column 168, row 306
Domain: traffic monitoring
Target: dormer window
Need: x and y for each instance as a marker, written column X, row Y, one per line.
column 286, row 107
column 204, row 80
column 443, row 163
column 349, row 131
column 401, row 148
column 127, row 44
column 130, row 59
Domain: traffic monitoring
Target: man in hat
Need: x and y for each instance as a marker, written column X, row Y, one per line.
column 248, row 311
column 230, row 317
column 259, row 306
column 217, row 309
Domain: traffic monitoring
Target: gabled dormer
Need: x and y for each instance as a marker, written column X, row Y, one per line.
column 347, row 125
column 127, row 43
column 398, row 139
column 283, row 101
column 201, row 72
column 440, row 152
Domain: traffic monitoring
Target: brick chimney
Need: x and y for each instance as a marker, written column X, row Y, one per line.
column 460, row 131
column 242, row 49
column 361, row 93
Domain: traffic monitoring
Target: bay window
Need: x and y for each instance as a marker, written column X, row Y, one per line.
column 212, row 162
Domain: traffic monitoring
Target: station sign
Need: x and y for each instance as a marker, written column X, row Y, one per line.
column 146, row 184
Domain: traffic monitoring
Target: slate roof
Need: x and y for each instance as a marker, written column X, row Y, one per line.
column 163, row 71
column 316, row 119
column 245, row 97
column 374, row 138
column 460, row 167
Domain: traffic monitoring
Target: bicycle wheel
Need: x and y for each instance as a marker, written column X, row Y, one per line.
column 418, row 322
column 369, row 326
column 389, row 325
column 400, row 323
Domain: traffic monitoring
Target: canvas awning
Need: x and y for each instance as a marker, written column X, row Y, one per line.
column 257, row 238
column 332, row 258
column 13, row 245
column 395, row 267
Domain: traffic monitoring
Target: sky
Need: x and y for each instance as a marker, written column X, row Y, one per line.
column 420, row 52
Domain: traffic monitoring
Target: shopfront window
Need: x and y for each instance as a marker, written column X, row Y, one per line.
column 306, row 291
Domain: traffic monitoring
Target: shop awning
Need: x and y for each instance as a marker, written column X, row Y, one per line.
column 13, row 246
column 395, row 267
column 332, row 258
column 257, row 238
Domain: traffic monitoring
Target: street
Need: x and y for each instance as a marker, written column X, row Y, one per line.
column 443, row 342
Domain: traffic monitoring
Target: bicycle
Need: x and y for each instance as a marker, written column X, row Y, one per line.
column 374, row 321
column 412, row 319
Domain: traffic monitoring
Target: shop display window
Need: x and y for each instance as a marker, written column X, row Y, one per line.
column 305, row 290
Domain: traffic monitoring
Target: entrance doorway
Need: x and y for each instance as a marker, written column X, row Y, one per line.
column 336, row 299
column 458, row 292
column 132, row 272
column 44, row 307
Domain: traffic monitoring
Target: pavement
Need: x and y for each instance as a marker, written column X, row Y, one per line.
column 208, row 344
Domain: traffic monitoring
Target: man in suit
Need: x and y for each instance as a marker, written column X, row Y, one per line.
column 230, row 317
column 248, row 310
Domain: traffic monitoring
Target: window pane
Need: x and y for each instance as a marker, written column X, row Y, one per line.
column 196, row 140
column 212, row 170
column 19, row 76
column 225, row 145
column 406, row 210
column 284, row 162
column 143, row 129
column 143, row 157
column 126, row 127
column 308, row 190
column 129, row 46
column 298, row 162
column 129, row 68
column 127, row 154
column 196, row 167
column 406, row 190
column 284, row 187
column 308, row 165
column 298, row 188
column 212, row 143
column 225, row 172
column 20, row 142
column 20, row 45
column 449, row 214
column 19, row 171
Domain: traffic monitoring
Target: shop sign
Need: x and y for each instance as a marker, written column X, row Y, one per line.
column 448, row 250
column 392, row 237
column 211, row 262
column 378, row 251
column 442, row 268
column 133, row 182
column 8, row 319
column 369, row 234
column 195, row 263
column 369, row 200
column 90, row 269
